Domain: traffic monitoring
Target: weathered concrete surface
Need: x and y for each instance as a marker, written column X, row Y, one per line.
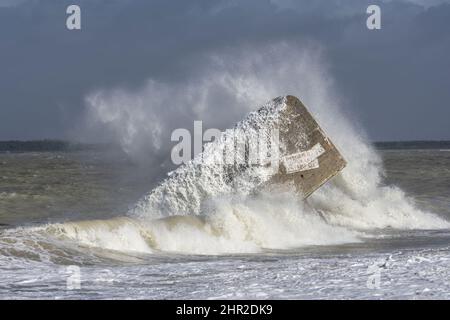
column 303, row 156
column 310, row 158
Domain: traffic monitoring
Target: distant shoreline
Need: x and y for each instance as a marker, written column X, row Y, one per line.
column 413, row 144
column 70, row 146
column 48, row 146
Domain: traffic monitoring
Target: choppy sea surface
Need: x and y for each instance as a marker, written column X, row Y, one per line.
column 66, row 233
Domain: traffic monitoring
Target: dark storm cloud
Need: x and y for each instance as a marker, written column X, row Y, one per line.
column 395, row 79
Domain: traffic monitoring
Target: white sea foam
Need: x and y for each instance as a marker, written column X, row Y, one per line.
column 201, row 214
column 230, row 225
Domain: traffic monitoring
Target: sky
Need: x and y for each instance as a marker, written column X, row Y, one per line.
column 118, row 77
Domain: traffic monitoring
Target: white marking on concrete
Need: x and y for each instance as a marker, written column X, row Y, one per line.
column 305, row 160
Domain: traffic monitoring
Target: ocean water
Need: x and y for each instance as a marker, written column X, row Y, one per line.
column 64, row 222
column 94, row 225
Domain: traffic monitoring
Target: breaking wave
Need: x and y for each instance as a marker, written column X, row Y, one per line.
column 203, row 215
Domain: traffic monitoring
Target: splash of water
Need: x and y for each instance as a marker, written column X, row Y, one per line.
column 228, row 87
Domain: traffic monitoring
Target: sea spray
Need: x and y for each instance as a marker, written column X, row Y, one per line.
column 231, row 224
column 203, row 214
column 208, row 176
column 228, row 86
